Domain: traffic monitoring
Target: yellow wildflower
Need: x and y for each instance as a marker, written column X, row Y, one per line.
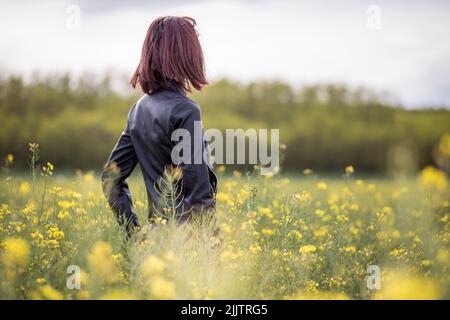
column 444, row 145
column 401, row 286
column 24, row 188
column 15, row 253
column 266, row 212
column 162, row 288
column 153, row 265
column 349, row 170
column 101, row 264
column 349, row 249
column 322, row 186
column 342, row 218
column 309, row 248
column 432, row 178
column 50, row 293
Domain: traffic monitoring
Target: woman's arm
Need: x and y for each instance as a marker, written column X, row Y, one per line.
column 117, row 169
column 198, row 192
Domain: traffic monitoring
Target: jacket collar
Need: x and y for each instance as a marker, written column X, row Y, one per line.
column 173, row 86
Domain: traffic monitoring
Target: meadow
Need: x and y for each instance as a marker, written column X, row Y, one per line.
column 301, row 235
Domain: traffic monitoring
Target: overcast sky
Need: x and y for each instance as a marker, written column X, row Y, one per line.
column 398, row 46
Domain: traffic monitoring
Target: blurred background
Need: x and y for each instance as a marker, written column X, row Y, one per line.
column 365, row 83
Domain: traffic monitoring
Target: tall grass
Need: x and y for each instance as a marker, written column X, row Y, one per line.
column 304, row 236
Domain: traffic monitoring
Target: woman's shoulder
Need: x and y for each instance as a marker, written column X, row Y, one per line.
column 166, row 105
column 168, row 99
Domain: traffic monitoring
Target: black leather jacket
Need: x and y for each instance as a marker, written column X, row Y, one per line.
column 147, row 140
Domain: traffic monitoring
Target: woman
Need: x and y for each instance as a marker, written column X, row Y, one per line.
column 171, row 63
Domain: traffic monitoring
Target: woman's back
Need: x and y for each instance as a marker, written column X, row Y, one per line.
column 171, row 62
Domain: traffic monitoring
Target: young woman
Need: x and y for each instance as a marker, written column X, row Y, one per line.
column 171, row 64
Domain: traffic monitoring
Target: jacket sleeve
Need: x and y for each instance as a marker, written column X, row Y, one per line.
column 117, row 169
column 198, row 189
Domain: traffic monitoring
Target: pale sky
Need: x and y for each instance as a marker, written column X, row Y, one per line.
column 406, row 52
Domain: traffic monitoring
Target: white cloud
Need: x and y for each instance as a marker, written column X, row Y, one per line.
column 297, row 41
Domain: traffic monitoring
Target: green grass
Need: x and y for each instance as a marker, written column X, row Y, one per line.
column 281, row 237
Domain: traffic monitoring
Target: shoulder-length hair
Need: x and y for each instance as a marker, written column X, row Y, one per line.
column 171, row 52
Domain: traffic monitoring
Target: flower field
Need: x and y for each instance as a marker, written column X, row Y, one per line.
column 303, row 236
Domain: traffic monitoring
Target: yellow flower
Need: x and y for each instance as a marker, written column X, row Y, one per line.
column 432, row 178
column 387, row 210
column 54, row 233
column 297, row 234
column 40, row 280
column 396, row 253
column 319, row 212
column 15, row 253
column 243, row 195
column 84, row 295
column 309, row 248
column 443, row 256
column 162, row 289
column 117, row 258
column 267, row 232
column 10, row 158
column 266, row 212
column 342, row 218
column 401, row 286
column 153, row 265
column 63, row 214
column 24, row 188
column 64, row 204
column 33, row 147
column 231, row 184
column 48, row 169
column 312, row 287
column 225, row 228
column 101, row 264
column 321, row 232
column 427, row 262
column 223, row 197
column 349, row 170
column 333, row 198
column 50, row 293
column 395, row 234
column 88, row 177
column 322, row 186
column 29, row 209
column 37, row 235
column 304, row 197
column 444, row 145
column 349, row 249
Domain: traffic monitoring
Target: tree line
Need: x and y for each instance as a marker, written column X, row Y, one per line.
column 323, row 127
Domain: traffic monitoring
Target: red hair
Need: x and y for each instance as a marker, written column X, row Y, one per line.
column 171, row 52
